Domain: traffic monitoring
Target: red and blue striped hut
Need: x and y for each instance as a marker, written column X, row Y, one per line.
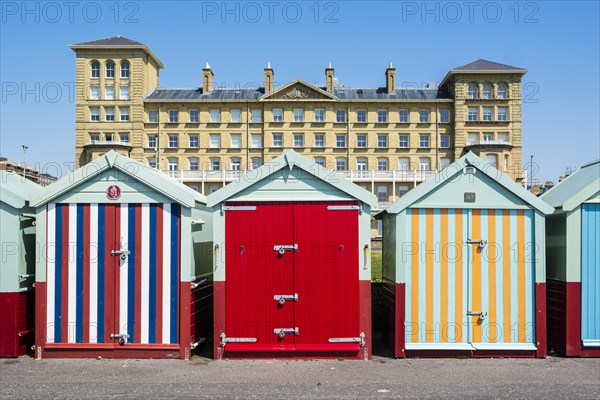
column 122, row 265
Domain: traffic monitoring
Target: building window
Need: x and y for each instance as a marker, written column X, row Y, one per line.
column 340, row 115
column 320, row 161
column 215, row 164
column 235, row 164
column 215, row 141
column 257, row 142
column 424, row 141
column 236, row 116
column 194, row 116
column 94, row 114
column 94, row 137
column 152, row 116
column 487, row 113
column 423, row 116
column 319, row 115
column 152, row 141
column 503, row 137
column 340, row 164
column 506, row 162
column 95, row 72
column 502, row 114
column 403, row 141
column 193, row 164
column 424, row 164
column 487, row 92
column 152, row 162
column 173, row 164
column 361, row 141
column 361, row 164
column 473, row 92
column 109, row 137
column 492, row 159
column 382, row 164
column 278, row 115
column 124, row 113
column 445, row 141
column 473, row 114
column 194, row 141
column 173, row 116
column 215, row 116
column 488, row 137
column 502, row 91
column 109, row 93
column 403, row 115
column 173, row 141
column 382, row 116
column 404, row 164
column 109, row 114
column 361, row 116
column 340, row 141
column 444, row 162
column 382, row 141
column 124, row 92
column 256, row 116
column 110, row 69
column 382, row 194
column 402, row 190
column 124, row 69
column 472, row 138
column 298, row 115
column 236, row 142
column 94, row 92
column 213, row 189
column 298, row 140
column 277, row 140
column 256, row 163
column 319, row 140
column 445, row 116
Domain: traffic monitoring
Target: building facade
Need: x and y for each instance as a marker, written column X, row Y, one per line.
column 386, row 139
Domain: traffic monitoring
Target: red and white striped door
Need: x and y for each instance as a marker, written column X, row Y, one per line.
column 112, row 274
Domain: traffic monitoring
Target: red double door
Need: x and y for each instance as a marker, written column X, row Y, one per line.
column 292, row 277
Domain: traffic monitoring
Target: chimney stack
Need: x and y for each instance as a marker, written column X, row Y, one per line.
column 329, row 78
column 269, row 74
column 390, row 74
column 207, row 79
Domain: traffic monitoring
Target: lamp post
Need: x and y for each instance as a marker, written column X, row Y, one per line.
column 531, row 173
column 24, row 150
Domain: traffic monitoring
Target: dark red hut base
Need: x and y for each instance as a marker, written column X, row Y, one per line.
column 17, row 320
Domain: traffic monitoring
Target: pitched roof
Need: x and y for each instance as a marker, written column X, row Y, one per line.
column 198, row 94
column 112, row 41
column 15, row 189
column 151, row 177
column 117, row 42
column 290, row 159
column 576, row 188
column 469, row 159
column 485, row 65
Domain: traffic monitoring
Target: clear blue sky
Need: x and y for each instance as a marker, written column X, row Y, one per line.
column 558, row 42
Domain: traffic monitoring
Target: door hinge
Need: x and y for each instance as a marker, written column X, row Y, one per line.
column 360, row 339
column 341, row 208
column 281, row 332
column 282, row 298
column 224, row 340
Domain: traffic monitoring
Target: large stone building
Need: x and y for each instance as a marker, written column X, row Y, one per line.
column 387, row 139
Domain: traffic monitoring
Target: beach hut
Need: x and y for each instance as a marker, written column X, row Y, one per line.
column 573, row 271
column 463, row 269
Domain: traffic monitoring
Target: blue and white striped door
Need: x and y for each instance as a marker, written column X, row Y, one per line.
column 590, row 275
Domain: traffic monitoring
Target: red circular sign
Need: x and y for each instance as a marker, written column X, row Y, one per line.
column 113, row 192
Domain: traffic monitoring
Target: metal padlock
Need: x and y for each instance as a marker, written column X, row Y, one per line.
column 281, row 251
column 122, row 341
column 282, row 300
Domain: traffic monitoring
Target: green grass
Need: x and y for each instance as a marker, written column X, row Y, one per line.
column 376, row 266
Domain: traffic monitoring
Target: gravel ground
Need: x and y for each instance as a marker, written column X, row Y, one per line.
column 381, row 378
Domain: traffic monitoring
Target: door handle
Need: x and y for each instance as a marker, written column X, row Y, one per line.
column 282, row 248
column 282, row 298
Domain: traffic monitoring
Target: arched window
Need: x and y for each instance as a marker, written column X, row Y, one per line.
column 502, row 91
column 404, row 164
column 124, row 69
column 95, row 69
column 473, row 92
column 487, row 91
column 110, row 69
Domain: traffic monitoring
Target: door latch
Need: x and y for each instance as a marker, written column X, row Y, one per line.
column 480, row 314
column 121, row 336
column 282, row 248
column 281, row 332
column 123, row 253
column 481, row 243
column 282, row 298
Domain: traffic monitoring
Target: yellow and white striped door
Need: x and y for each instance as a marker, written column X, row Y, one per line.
column 462, row 295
